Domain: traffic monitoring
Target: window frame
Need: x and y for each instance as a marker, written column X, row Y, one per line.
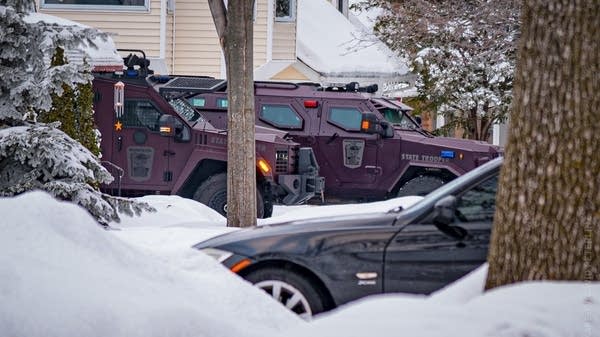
column 287, row 18
column 280, row 126
column 142, row 126
column 96, row 8
column 341, row 126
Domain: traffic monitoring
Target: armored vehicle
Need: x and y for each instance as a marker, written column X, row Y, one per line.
column 368, row 147
column 155, row 143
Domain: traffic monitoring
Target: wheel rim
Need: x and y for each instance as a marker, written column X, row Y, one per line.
column 287, row 295
column 219, row 202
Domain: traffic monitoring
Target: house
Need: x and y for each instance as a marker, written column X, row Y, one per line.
column 294, row 40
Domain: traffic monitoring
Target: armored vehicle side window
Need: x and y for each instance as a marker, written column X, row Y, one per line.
column 346, row 118
column 397, row 117
column 222, row 103
column 281, row 116
column 198, row 102
column 185, row 110
column 139, row 113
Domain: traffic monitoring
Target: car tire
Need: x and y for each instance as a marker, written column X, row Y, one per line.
column 213, row 193
column 420, row 186
column 289, row 288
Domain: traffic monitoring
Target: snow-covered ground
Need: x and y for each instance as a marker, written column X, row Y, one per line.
column 63, row 275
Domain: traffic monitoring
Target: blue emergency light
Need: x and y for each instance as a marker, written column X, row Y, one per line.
column 447, row 154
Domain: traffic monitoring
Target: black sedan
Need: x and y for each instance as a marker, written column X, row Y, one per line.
column 314, row 265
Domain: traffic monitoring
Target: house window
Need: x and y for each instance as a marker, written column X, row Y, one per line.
column 134, row 5
column 285, row 10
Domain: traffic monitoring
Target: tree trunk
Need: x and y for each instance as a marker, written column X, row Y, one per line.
column 547, row 222
column 235, row 29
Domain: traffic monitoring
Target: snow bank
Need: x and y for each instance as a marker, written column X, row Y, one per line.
column 291, row 213
column 63, row 275
column 541, row 309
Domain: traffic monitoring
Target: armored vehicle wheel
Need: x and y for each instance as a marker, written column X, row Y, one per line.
column 213, row 193
column 420, row 186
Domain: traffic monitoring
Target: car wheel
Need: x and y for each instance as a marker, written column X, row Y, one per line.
column 213, row 193
column 420, row 186
column 289, row 288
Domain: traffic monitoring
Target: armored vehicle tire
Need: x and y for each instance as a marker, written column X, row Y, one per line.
column 289, row 288
column 213, row 193
column 420, row 185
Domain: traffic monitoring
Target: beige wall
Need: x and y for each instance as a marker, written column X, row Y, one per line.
column 192, row 46
column 135, row 30
column 284, row 41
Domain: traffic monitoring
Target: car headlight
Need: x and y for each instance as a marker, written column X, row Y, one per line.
column 217, row 254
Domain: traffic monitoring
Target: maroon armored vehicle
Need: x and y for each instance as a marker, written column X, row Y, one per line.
column 156, row 143
column 368, row 147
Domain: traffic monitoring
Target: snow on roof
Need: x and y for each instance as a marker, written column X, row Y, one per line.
column 103, row 57
column 333, row 46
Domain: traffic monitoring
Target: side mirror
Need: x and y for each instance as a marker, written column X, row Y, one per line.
column 419, row 120
column 372, row 125
column 167, row 125
column 387, row 129
column 170, row 126
column 369, row 123
column 443, row 217
column 444, row 209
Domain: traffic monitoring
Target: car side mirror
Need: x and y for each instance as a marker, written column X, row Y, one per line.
column 443, row 217
column 443, row 210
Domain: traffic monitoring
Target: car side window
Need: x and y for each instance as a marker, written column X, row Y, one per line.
column 479, row 203
column 281, row 116
column 346, row 117
column 140, row 113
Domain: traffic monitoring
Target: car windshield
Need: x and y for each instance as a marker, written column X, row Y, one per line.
column 185, row 110
column 399, row 118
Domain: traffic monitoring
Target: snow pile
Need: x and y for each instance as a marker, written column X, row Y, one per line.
column 63, row 275
column 102, row 54
column 333, row 46
column 541, row 309
column 292, row 213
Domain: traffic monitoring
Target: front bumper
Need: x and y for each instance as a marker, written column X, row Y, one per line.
column 299, row 188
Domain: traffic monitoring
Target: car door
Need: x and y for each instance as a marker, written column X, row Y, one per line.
column 423, row 257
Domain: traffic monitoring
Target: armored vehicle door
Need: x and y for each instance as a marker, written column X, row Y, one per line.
column 134, row 143
column 347, row 156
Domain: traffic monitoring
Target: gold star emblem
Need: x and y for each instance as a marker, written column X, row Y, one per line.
column 118, row 126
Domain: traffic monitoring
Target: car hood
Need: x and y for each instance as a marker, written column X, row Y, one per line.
column 300, row 228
